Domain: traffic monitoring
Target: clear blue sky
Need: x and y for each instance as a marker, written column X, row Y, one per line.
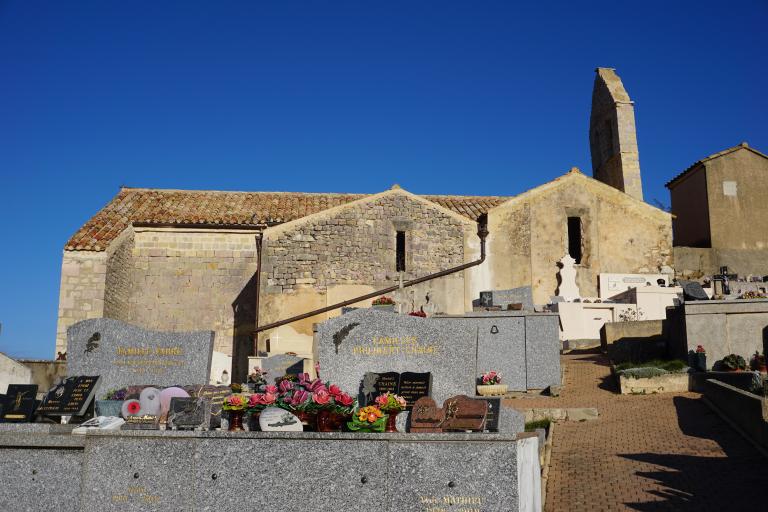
column 441, row 97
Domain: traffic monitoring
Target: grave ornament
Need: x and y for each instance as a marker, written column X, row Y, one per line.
column 20, row 403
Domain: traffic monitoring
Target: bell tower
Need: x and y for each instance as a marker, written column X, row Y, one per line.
column 612, row 138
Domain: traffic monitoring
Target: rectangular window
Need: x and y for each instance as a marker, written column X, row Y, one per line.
column 400, row 252
column 574, row 238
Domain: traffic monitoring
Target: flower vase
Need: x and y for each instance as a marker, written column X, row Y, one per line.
column 253, row 424
column 308, row 420
column 236, row 421
column 326, row 421
column 391, row 425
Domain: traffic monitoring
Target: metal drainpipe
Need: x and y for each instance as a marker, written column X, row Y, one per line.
column 482, row 233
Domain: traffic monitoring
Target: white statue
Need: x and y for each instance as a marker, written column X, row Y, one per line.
column 568, row 288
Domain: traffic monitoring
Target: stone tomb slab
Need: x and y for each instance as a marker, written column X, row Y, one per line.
column 294, row 474
column 366, row 341
column 40, row 478
column 138, row 473
column 453, row 476
column 124, row 354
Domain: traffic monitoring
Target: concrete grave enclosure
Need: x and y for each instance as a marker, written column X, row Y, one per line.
column 195, row 471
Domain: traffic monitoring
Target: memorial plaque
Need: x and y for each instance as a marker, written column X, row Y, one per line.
column 71, row 397
column 20, row 403
column 215, row 394
column 274, row 419
column 463, row 413
column 282, row 364
column 409, row 385
column 143, row 422
column 189, row 413
column 492, row 416
column 426, row 416
column 124, row 354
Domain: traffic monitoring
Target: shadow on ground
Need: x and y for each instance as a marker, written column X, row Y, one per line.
column 695, row 482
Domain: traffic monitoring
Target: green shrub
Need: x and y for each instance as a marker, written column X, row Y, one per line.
column 643, row 373
column 670, row 365
column 533, row 425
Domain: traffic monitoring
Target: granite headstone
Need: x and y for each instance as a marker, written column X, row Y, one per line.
column 366, row 341
column 693, row 291
column 282, row 364
column 504, row 298
column 124, row 354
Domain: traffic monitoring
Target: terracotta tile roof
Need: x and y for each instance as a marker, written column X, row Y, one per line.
column 232, row 209
column 724, row 152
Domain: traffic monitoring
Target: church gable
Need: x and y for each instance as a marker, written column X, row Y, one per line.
column 365, row 242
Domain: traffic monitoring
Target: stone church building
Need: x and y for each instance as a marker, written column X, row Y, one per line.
column 187, row 260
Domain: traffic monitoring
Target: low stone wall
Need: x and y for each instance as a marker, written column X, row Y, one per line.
column 745, row 411
column 154, row 470
column 667, row 383
column 634, row 341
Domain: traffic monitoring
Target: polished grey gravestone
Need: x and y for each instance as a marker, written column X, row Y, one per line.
column 693, row 291
column 282, row 364
column 124, row 354
column 366, row 341
column 501, row 348
column 542, row 351
column 522, row 295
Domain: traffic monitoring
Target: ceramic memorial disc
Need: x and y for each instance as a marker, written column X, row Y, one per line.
column 275, row 419
column 167, row 394
column 130, row 408
column 150, row 401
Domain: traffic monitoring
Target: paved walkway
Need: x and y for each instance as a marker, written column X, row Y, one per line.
column 654, row 452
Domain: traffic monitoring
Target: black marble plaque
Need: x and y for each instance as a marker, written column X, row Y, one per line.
column 215, row 394
column 20, row 403
column 414, row 386
column 492, row 417
column 189, row 413
column 71, row 397
column 409, row 385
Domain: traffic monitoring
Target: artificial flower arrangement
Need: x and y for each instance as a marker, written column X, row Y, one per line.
column 700, row 350
column 116, row 394
column 368, row 419
column 383, row 301
column 420, row 313
column 236, row 402
column 490, row 378
column 391, row 403
column 302, row 395
column 258, row 377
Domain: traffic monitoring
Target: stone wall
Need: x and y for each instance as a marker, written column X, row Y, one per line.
column 81, row 294
column 356, row 245
column 187, row 280
column 349, row 251
column 118, row 280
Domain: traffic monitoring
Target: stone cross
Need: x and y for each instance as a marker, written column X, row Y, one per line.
column 568, row 288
